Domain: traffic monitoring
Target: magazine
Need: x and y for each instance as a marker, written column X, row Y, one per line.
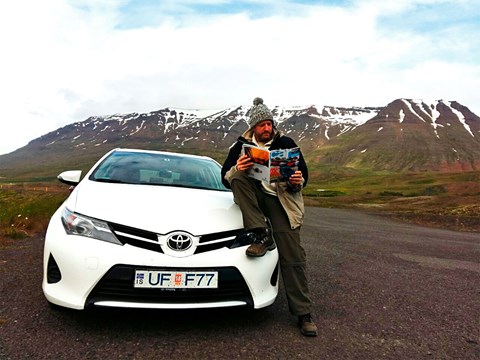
column 273, row 165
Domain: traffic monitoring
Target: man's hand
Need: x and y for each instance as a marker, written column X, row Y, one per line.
column 244, row 163
column 296, row 178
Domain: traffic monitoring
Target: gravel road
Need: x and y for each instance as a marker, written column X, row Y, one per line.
column 383, row 290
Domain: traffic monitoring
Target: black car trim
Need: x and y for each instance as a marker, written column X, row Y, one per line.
column 117, row 285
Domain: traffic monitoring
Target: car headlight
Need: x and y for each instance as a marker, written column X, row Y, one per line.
column 81, row 225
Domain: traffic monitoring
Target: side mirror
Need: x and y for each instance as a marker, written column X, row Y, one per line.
column 71, row 177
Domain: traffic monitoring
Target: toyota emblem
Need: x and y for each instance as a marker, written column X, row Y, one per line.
column 179, row 241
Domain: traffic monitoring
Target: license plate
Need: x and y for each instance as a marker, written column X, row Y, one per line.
column 176, row 279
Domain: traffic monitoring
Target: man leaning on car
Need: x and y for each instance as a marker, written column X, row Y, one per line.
column 279, row 203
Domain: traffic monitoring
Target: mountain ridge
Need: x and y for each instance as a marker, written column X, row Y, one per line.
column 444, row 136
column 404, row 135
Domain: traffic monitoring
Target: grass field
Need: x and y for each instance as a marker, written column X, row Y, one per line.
column 444, row 200
column 25, row 209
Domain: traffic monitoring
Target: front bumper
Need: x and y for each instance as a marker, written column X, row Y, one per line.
column 81, row 272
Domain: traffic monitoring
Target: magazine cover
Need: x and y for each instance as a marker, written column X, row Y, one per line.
column 270, row 166
column 283, row 163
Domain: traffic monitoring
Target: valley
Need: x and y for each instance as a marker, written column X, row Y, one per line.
column 411, row 160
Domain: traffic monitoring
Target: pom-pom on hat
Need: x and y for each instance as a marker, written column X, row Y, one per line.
column 259, row 112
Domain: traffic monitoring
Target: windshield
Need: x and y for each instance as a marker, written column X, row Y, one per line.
column 164, row 169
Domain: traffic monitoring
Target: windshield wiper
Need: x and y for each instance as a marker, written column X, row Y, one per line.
column 113, row 181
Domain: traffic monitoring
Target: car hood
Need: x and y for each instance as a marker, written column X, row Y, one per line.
column 160, row 209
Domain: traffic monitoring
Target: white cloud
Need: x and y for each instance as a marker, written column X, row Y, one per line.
column 66, row 60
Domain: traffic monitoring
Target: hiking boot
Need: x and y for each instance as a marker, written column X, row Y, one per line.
column 263, row 241
column 307, row 326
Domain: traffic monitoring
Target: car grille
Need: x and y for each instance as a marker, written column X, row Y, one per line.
column 149, row 240
column 117, row 285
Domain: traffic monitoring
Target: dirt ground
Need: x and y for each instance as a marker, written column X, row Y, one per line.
column 453, row 212
column 382, row 289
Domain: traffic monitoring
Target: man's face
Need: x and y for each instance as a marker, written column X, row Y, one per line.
column 264, row 131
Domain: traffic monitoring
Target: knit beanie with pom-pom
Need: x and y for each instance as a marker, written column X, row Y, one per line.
column 259, row 112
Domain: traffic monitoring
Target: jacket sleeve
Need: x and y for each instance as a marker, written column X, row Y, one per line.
column 230, row 162
column 302, row 166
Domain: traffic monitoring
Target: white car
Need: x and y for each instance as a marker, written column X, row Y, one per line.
column 151, row 229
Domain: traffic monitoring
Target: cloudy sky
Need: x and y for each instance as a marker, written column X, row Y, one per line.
column 65, row 60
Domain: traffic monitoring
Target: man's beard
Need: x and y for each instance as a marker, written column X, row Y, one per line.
column 266, row 136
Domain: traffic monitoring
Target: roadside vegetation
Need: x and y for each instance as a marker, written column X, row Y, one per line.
column 25, row 209
column 444, row 200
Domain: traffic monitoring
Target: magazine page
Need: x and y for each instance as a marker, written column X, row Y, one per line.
column 283, row 163
column 274, row 165
column 261, row 162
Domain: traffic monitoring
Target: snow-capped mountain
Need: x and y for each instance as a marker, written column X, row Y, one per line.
column 405, row 135
column 181, row 128
column 413, row 135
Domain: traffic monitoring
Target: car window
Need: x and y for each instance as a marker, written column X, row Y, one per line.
column 159, row 169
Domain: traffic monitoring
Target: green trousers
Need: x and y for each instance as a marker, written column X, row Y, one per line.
column 256, row 207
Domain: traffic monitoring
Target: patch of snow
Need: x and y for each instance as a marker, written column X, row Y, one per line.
column 411, row 110
column 460, row 116
column 185, row 140
column 138, row 128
